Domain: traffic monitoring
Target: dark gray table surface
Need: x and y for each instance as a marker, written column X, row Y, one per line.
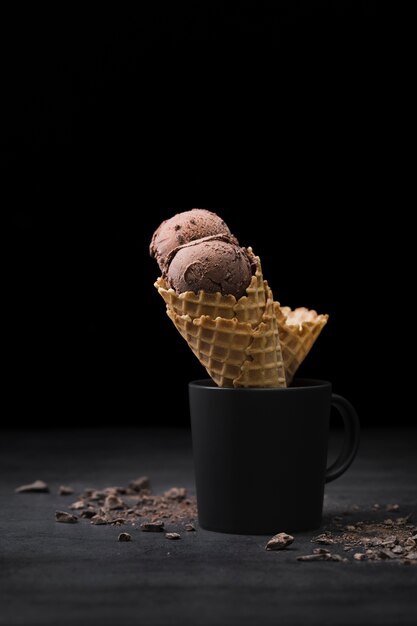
column 80, row 574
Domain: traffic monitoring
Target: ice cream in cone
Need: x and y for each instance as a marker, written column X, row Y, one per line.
column 221, row 305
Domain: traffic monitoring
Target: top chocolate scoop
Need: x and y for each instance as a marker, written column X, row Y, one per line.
column 183, row 228
column 213, row 264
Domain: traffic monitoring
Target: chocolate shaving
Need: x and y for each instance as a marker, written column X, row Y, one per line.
column 113, row 502
column 279, row 542
column 138, row 484
column 77, row 505
column 98, row 520
column 124, row 537
column 39, row 486
column 65, row 518
column 172, row 536
column 65, row 490
column 152, row 527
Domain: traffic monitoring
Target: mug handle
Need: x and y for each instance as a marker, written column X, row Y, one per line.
column 351, row 442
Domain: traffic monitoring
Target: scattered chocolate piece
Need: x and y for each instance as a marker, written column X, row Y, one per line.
column 77, row 505
column 392, row 507
column 350, row 528
column 322, row 555
column 118, row 521
column 172, row 535
column 410, row 543
column 124, row 537
column 388, row 522
column 138, row 484
column 65, row 518
column 385, row 554
column 389, row 541
column 152, row 527
column 39, row 486
column 359, row 556
column 113, row 502
column 98, row 520
column 411, row 556
column 89, row 513
column 376, row 507
column 323, row 539
column 176, row 493
column 397, row 550
column 65, row 490
column 97, row 495
column 189, row 527
column 279, row 542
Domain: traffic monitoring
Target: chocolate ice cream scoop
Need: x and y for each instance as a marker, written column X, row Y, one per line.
column 183, row 228
column 214, row 264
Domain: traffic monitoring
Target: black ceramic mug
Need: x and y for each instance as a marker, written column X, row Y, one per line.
column 260, row 455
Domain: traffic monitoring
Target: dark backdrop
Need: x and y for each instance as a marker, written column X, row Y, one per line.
column 268, row 113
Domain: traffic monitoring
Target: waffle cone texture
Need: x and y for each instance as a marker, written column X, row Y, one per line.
column 245, row 342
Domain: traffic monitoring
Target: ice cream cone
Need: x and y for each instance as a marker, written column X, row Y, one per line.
column 237, row 341
column 298, row 330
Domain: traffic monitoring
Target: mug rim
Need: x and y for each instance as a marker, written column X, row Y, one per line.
column 303, row 383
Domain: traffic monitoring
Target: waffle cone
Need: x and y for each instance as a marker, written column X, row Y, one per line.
column 237, row 341
column 298, row 330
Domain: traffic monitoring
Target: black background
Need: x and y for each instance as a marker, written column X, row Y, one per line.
column 269, row 114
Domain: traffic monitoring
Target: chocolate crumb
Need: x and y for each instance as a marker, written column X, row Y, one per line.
column 65, row 518
column 77, row 505
column 113, row 502
column 392, row 507
column 323, row 555
column 65, row 490
column 152, row 527
column 138, row 484
column 124, row 537
column 98, row 520
column 172, row 535
column 279, row 542
column 88, row 513
column 359, row 556
column 176, row 493
column 323, row 539
column 189, row 527
column 39, row 486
